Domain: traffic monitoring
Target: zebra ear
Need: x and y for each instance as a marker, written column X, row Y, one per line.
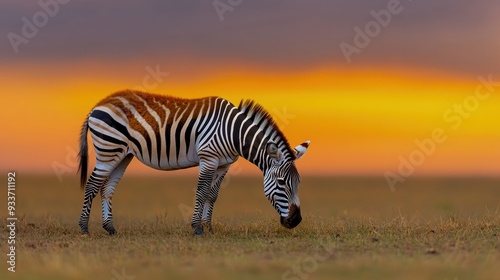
column 273, row 151
column 301, row 149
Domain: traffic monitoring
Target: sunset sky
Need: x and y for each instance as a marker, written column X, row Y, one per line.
column 434, row 65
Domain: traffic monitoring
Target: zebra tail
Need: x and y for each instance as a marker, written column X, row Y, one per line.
column 83, row 154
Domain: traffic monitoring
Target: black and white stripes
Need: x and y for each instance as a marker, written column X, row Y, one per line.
column 170, row 133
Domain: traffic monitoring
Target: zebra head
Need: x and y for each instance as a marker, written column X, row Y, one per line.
column 281, row 183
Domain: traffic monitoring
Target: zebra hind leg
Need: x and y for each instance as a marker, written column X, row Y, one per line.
column 96, row 180
column 212, row 197
column 107, row 191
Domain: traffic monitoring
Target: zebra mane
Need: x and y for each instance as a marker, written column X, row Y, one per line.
column 265, row 122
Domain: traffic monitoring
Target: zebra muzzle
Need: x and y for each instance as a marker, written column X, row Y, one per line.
column 293, row 219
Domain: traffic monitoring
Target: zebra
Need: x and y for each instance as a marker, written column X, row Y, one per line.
column 169, row 133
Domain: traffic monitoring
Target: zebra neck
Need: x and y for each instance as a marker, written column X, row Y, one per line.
column 252, row 146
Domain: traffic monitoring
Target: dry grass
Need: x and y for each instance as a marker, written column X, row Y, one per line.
column 353, row 228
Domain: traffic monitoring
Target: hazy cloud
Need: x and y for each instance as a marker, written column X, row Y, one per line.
column 452, row 35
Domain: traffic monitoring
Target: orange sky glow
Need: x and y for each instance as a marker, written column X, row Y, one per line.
column 419, row 96
column 360, row 121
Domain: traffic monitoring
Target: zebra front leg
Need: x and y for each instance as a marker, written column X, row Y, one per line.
column 93, row 185
column 205, row 178
column 212, row 196
column 107, row 192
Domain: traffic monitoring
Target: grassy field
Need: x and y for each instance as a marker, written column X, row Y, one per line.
column 353, row 228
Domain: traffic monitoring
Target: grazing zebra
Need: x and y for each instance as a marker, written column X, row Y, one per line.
column 169, row 133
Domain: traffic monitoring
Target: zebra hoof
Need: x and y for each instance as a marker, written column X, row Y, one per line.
column 198, row 231
column 107, row 226
column 84, row 228
column 110, row 230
